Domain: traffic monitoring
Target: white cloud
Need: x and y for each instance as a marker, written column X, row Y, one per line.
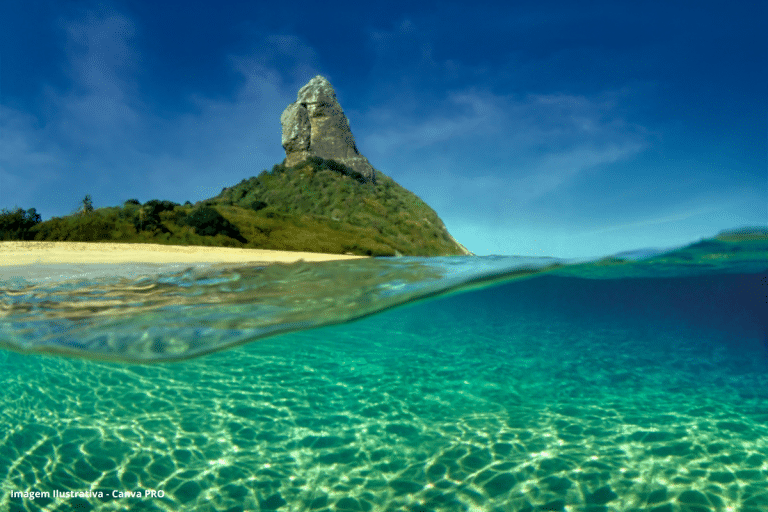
column 27, row 161
column 553, row 171
column 501, row 148
column 99, row 135
column 510, row 124
column 21, row 142
column 101, row 109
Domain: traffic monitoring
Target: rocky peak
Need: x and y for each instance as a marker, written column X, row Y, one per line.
column 315, row 125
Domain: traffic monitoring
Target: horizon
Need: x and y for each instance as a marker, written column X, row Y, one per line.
column 535, row 130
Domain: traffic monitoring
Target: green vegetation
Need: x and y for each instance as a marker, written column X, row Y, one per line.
column 17, row 224
column 87, row 204
column 209, row 222
column 317, row 206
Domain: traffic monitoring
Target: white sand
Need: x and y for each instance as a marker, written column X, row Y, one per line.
column 30, row 253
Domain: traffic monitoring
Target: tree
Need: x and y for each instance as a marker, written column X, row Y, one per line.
column 147, row 217
column 139, row 221
column 16, row 224
column 87, row 206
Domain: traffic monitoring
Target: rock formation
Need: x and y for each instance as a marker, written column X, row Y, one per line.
column 315, row 125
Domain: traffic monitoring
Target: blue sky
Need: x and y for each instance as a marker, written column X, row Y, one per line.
column 569, row 129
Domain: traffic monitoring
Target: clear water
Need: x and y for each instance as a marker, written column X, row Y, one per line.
column 634, row 384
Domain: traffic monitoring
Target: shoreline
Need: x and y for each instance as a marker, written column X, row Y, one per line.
column 22, row 253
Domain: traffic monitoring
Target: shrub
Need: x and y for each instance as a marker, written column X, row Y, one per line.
column 75, row 228
column 258, row 205
column 208, row 222
column 90, row 229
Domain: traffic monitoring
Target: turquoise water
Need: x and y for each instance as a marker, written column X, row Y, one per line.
column 630, row 384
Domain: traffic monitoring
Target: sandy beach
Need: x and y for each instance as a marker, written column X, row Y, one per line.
column 47, row 253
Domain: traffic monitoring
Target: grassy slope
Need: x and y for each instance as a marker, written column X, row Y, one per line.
column 312, row 207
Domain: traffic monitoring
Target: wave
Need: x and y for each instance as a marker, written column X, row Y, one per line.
column 146, row 314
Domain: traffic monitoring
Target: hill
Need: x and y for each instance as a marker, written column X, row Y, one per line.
column 317, row 206
column 324, row 197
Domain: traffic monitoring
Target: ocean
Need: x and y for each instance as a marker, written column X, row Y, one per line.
column 632, row 383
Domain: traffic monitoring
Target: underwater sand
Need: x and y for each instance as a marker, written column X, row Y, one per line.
column 550, row 393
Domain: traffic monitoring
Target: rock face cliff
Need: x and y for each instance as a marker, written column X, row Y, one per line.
column 315, row 125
